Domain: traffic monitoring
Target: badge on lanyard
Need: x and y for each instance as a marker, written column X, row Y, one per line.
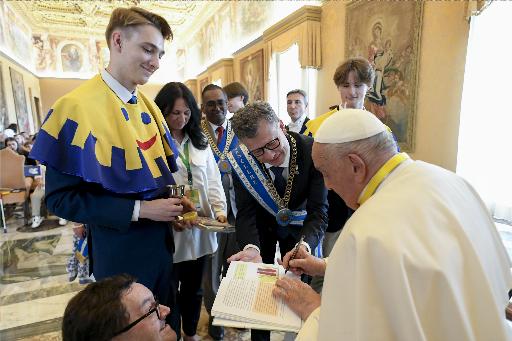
column 190, row 192
column 193, row 195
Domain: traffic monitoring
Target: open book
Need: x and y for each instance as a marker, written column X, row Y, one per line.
column 244, row 299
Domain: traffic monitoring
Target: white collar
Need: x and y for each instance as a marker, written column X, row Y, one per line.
column 214, row 126
column 123, row 93
column 391, row 175
column 182, row 144
column 297, row 125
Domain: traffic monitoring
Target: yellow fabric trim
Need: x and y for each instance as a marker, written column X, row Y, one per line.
column 313, row 125
column 97, row 111
column 381, row 174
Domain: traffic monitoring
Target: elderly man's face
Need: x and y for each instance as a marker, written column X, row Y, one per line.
column 266, row 135
column 138, row 300
column 338, row 174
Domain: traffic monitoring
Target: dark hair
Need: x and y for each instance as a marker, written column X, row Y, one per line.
column 246, row 120
column 97, row 312
column 135, row 16
column 165, row 100
column 363, row 69
column 13, row 127
column 236, row 89
column 9, row 139
column 300, row 92
column 211, row 87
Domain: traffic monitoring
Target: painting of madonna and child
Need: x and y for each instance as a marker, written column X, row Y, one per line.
column 387, row 35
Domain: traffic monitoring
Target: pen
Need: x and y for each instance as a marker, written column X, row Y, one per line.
column 294, row 254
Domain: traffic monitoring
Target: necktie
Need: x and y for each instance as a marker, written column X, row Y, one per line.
column 220, row 132
column 279, row 182
column 133, row 100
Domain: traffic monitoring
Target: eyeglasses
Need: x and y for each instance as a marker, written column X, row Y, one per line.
column 270, row 146
column 212, row 104
column 155, row 308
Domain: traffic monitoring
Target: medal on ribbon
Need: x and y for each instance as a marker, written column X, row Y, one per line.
column 220, row 155
column 256, row 179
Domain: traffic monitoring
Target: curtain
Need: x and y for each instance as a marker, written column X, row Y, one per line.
column 485, row 134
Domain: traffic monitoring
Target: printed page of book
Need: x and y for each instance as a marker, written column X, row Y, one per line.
column 245, row 295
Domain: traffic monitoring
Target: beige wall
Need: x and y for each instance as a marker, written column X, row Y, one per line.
column 53, row 88
column 30, row 81
column 441, row 73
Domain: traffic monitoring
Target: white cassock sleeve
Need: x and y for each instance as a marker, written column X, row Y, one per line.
column 309, row 330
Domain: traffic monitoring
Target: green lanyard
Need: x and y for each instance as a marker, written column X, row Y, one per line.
column 185, row 159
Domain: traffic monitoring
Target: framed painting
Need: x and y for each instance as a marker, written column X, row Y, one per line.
column 4, row 115
column 388, row 35
column 20, row 100
column 251, row 75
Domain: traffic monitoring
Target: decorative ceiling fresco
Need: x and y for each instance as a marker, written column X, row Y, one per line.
column 65, row 39
column 86, row 18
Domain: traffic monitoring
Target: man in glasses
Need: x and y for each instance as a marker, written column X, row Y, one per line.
column 116, row 308
column 280, row 196
column 222, row 139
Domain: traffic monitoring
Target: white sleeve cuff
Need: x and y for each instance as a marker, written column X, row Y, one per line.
column 308, row 248
column 252, row 246
column 136, row 211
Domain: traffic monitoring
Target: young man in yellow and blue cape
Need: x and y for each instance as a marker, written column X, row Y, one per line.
column 109, row 157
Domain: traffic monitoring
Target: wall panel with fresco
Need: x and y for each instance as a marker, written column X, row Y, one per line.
column 24, row 107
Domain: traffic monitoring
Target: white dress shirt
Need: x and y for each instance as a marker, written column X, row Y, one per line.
column 297, row 125
column 231, row 188
column 193, row 243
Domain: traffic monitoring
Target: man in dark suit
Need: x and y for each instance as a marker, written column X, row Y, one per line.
column 109, row 158
column 280, row 196
column 297, row 108
column 222, row 139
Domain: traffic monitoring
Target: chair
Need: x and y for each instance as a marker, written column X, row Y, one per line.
column 12, row 183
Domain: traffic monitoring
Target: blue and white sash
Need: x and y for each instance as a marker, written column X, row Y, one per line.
column 255, row 181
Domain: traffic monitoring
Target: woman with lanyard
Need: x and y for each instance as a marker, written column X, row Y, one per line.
column 199, row 173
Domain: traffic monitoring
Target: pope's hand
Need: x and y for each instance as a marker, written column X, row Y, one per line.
column 304, row 263
column 248, row 255
column 222, row 219
column 299, row 296
column 160, row 209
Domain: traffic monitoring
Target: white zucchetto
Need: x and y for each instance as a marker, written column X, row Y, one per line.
column 349, row 125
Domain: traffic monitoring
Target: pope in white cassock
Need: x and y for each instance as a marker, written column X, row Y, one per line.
column 420, row 259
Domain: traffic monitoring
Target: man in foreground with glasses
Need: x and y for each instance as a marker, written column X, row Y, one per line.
column 280, row 196
column 116, row 308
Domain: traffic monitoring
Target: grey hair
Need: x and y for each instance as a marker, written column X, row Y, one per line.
column 245, row 122
column 371, row 149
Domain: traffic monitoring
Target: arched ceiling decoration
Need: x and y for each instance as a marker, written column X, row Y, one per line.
column 85, row 18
